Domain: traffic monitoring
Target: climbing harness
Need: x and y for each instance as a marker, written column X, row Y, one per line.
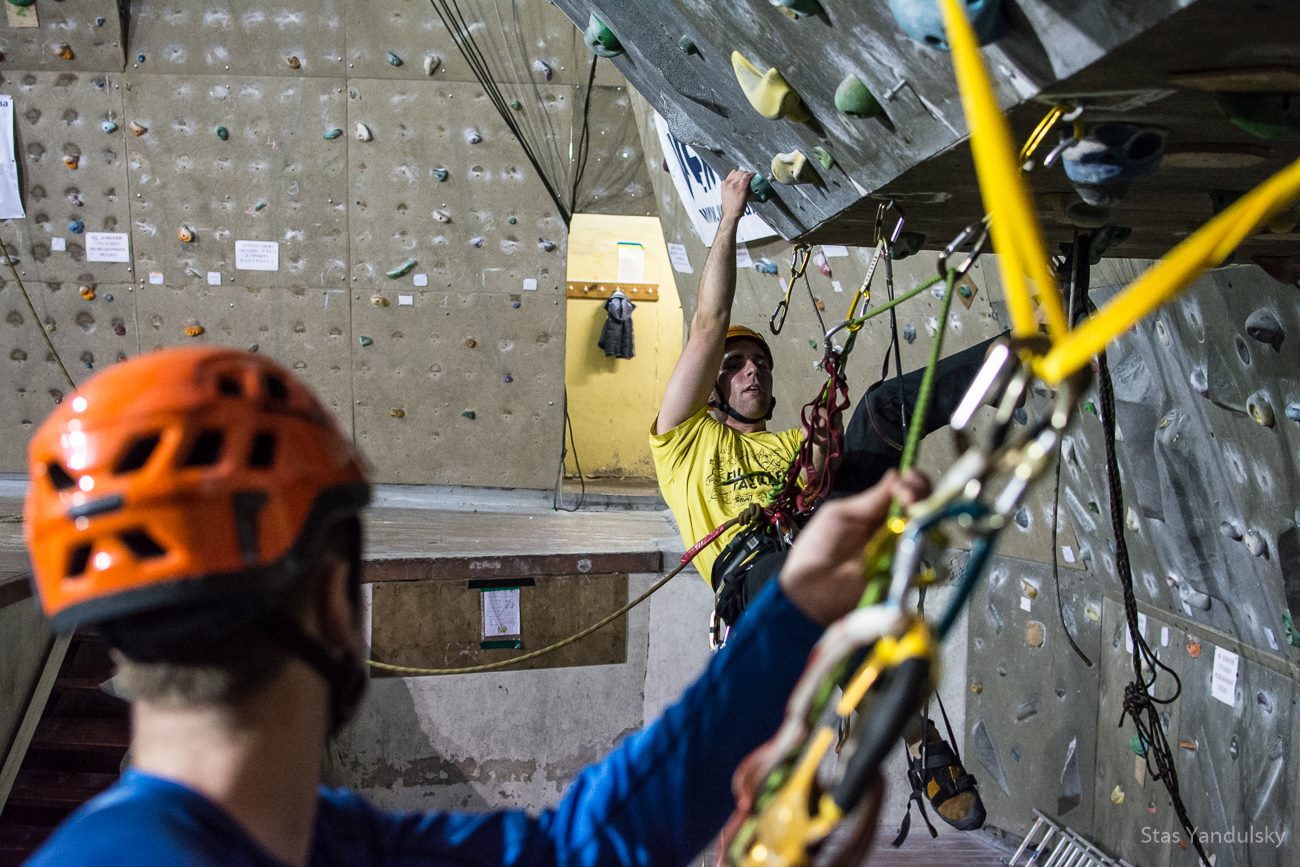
column 792, row 812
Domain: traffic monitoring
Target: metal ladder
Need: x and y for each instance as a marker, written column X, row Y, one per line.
column 1050, row 844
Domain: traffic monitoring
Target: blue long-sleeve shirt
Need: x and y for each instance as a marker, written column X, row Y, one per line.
column 658, row 798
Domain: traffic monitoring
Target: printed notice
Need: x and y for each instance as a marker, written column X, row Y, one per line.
column 743, row 259
column 530, row 284
column 58, row 245
column 681, row 261
column 500, row 613
column 419, row 281
column 257, row 255
column 11, row 201
column 631, row 262
column 1223, row 684
column 834, row 251
column 108, row 247
column 214, row 278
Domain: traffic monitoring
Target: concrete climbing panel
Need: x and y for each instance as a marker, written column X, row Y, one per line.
column 305, row 329
column 521, row 43
column 297, row 38
column 234, row 182
column 1232, row 747
column 1031, row 704
column 70, row 139
column 87, row 333
column 443, row 182
column 459, row 388
column 1209, row 489
column 68, row 36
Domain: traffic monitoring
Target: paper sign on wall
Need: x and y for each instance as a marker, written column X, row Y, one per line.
column 1223, row 683
column 500, row 613
column 631, row 262
column 257, row 255
column 11, row 201
column 834, row 251
column 743, row 259
column 681, row 261
column 58, row 245
column 108, row 247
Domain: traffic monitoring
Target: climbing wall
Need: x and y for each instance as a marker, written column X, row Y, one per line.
column 327, row 184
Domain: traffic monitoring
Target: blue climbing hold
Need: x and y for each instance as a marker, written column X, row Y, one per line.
column 765, row 266
column 76, row 227
column 439, row 173
column 1110, row 157
column 108, row 126
column 922, row 20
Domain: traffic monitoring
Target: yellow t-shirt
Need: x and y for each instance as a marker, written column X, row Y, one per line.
column 701, row 465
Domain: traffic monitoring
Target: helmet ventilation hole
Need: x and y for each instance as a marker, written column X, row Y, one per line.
column 142, row 545
column 275, row 387
column 59, row 477
column 262, row 454
column 78, row 560
column 138, row 454
column 229, row 386
column 206, row 449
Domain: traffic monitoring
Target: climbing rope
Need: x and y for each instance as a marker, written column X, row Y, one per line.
column 49, row 344
column 565, row 642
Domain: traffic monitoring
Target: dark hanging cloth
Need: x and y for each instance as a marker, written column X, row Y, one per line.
column 616, row 336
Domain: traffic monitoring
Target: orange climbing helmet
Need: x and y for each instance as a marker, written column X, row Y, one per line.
column 188, row 480
column 741, row 332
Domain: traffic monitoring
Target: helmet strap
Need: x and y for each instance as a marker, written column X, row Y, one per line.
column 344, row 673
column 722, row 405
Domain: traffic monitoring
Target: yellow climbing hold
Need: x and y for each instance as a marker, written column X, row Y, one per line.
column 87, row 292
column 1117, row 796
column 193, row 330
column 790, row 168
column 768, row 92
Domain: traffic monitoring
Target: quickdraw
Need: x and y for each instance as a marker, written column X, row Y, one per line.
column 788, row 812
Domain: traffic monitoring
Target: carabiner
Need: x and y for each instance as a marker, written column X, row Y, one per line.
column 976, row 235
column 782, row 308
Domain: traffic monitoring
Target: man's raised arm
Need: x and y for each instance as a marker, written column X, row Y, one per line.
column 697, row 368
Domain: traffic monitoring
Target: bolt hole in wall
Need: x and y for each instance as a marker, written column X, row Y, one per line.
column 613, row 400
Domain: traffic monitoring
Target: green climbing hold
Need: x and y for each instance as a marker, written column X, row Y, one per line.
column 1090, row 407
column 854, row 99
column 907, row 244
column 761, row 188
column 1288, row 627
column 440, row 174
column 222, row 133
column 364, row 341
column 469, row 414
column 259, row 206
column 824, row 158
column 687, row 45
column 600, row 39
column 393, row 59
column 332, row 133
column 516, row 105
column 1270, row 116
column 1137, row 745
column 965, row 291
column 401, row 270
column 795, row 8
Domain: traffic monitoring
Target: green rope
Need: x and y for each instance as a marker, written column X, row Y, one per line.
column 913, row 442
column 906, row 296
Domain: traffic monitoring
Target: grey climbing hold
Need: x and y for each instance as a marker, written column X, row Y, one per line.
column 431, row 63
column 761, row 188
column 512, row 220
column 476, row 241
column 1260, row 409
column 364, row 341
column 548, row 246
column 332, row 133
column 1194, row 598
column 854, row 99
column 1263, row 326
column 600, row 38
column 401, row 270
column 1256, row 544
column 394, row 59
column 516, row 105
column 1230, row 530
column 442, row 216
column 542, row 68
column 440, row 174
column 507, row 379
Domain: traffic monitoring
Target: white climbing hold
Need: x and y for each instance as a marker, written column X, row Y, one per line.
column 442, row 216
column 790, row 168
column 431, row 63
column 543, row 69
column 364, row 133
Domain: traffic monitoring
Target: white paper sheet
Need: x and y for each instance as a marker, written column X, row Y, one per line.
column 500, row 613
column 1223, row 683
column 108, row 247
column 11, row 200
column 214, row 278
column 835, row 251
column 631, row 262
column 257, row 255
column 681, row 261
column 58, row 245
column 420, row 281
column 743, row 259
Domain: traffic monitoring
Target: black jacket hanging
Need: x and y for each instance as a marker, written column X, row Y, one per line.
column 616, row 336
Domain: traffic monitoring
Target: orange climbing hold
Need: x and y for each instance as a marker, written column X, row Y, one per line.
column 193, row 330
column 87, row 292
